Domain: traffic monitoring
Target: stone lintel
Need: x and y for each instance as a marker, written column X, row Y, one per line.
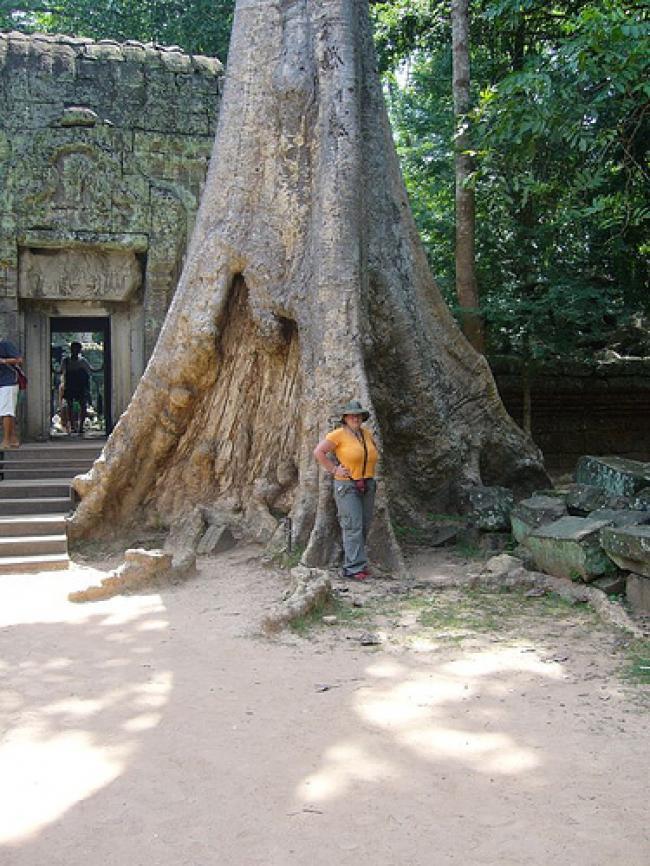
column 87, row 273
column 58, row 239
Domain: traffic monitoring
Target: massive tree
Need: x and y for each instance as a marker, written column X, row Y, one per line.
column 305, row 284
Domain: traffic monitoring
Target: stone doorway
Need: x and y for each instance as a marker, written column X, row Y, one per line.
column 96, row 293
column 116, row 340
column 94, row 335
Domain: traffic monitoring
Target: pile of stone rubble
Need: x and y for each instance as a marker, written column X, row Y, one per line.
column 596, row 530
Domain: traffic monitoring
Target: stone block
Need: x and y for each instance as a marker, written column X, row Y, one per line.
column 570, row 547
column 443, row 533
column 611, row 584
column 582, row 499
column 615, row 475
column 491, row 507
column 530, row 513
column 217, row 539
column 641, row 500
column 637, row 591
column 621, row 517
column 494, row 542
column 628, row 547
column 176, row 61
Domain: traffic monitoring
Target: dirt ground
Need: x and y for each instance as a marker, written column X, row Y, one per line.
column 160, row 728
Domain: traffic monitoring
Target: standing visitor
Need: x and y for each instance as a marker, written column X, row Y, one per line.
column 349, row 454
column 76, row 382
column 9, row 359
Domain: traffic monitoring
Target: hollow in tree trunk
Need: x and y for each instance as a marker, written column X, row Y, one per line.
column 305, row 285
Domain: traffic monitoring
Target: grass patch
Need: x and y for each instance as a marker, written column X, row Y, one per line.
column 287, row 561
column 422, row 534
column 458, row 615
column 344, row 613
column 637, row 666
column 414, row 534
column 445, row 518
column 469, row 551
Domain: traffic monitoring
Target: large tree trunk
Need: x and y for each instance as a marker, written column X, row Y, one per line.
column 305, row 285
column 466, row 285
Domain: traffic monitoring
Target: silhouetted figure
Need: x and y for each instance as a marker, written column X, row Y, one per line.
column 76, row 381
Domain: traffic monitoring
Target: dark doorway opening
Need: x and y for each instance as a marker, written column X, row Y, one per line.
column 94, row 334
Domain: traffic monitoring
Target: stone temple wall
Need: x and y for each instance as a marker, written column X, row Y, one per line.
column 104, row 149
column 580, row 409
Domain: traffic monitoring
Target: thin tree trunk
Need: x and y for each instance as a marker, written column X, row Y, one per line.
column 527, row 414
column 466, row 284
column 305, row 285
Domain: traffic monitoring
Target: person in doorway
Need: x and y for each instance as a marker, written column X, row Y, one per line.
column 349, row 454
column 76, row 382
column 9, row 358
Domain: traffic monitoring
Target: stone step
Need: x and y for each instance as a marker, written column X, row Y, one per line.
column 31, row 564
column 40, row 489
column 56, row 453
column 32, row 524
column 36, row 505
column 43, row 460
column 33, row 545
column 28, row 472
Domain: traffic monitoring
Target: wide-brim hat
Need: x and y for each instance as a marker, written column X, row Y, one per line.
column 355, row 408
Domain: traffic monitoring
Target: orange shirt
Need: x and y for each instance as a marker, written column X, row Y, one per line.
column 349, row 451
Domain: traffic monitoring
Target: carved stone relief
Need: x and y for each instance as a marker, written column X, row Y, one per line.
column 83, row 274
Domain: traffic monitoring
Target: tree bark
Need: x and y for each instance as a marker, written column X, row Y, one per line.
column 466, row 284
column 305, row 285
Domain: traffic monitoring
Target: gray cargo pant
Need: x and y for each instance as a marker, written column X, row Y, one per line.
column 355, row 516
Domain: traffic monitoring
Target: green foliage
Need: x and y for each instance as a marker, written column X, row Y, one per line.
column 197, row 26
column 286, row 560
column 560, row 132
column 637, row 668
column 404, row 26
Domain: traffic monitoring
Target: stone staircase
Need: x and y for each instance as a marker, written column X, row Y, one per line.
column 35, row 496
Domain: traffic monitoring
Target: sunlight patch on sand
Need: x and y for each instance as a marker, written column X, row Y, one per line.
column 345, row 763
column 42, row 778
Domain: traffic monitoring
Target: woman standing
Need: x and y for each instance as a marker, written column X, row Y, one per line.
column 349, row 454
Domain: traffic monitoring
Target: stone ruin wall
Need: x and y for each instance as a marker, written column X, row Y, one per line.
column 580, row 409
column 104, row 149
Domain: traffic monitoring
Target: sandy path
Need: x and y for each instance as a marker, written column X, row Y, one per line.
column 157, row 730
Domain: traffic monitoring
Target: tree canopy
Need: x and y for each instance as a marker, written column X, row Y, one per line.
column 197, row 26
column 559, row 130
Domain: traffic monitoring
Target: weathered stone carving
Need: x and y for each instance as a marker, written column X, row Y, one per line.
column 91, row 134
column 82, row 274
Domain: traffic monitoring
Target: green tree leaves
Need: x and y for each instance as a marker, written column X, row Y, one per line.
column 560, row 130
column 197, row 26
